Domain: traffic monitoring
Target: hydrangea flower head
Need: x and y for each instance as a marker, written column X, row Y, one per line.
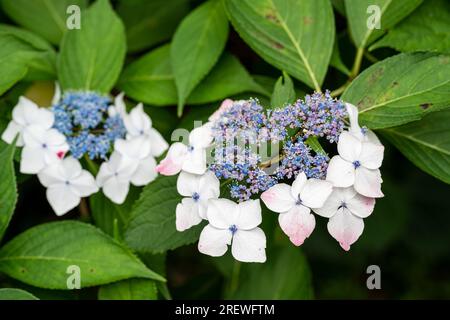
column 84, row 119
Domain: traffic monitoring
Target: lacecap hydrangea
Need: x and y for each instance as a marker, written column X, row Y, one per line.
column 276, row 155
column 85, row 128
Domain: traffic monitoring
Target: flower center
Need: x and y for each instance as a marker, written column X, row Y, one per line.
column 343, row 205
column 195, row 196
column 233, row 229
column 356, row 164
column 190, row 148
column 44, row 145
column 67, row 182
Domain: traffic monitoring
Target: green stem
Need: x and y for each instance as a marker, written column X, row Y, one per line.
column 357, row 63
column 234, row 282
column 92, row 166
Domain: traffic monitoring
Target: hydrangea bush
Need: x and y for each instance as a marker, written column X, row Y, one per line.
column 143, row 139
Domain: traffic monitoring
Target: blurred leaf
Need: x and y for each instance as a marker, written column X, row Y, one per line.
column 150, row 22
column 131, row 289
column 426, row 29
column 46, row 18
column 8, row 187
column 196, row 47
column 92, row 58
column 227, row 78
column 391, row 12
column 283, row 92
column 339, row 5
column 109, row 216
column 152, row 223
column 157, row 262
column 426, row 143
column 41, row 65
column 15, row 294
column 295, row 36
column 150, row 79
column 401, row 89
column 41, row 255
column 285, row 275
column 336, row 61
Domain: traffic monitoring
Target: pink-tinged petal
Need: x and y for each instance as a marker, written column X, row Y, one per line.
column 187, row 214
column 368, row 182
column 195, row 161
column 187, row 184
column 209, row 185
column 222, row 213
column 249, row 215
column 315, row 193
column 173, row 162
column 12, row 130
column 159, row 144
column 349, row 146
column 62, row 199
column 371, row 155
column 340, row 172
column 249, row 245
column 345, row 228
column 278, row 198
column 298, row 224
column 298, row 185
column 361, row 206
column 200, row 137
column 214, row 242
column 145, row 172
column 33, row 160
column 226, row 104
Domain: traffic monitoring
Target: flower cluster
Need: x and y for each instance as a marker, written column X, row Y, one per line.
column 243, row 128
column 342, row 188
column 83, row 118
column 78, row 124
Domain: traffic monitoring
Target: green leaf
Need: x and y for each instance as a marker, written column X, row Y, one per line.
column 8, row 187
column 426, row 29
column 426, row 143
column 152, row 223
column 42, row 64
column 91, row 58
column 401, row 89
column 226, row 79
column 315, row 145
column 285, row 275
column 150, row 22
column 336, row 60
column 196, row 47
column 41, row 255
column 15, row 294
column 295, row 36
column 46, row 18
column 150, row 80
column 15, row 55
column 283, row 92
column 111, row 217
column 131, row 289
column 391, row 12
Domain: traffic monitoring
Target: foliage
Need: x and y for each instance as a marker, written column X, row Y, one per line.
column 181, row 58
